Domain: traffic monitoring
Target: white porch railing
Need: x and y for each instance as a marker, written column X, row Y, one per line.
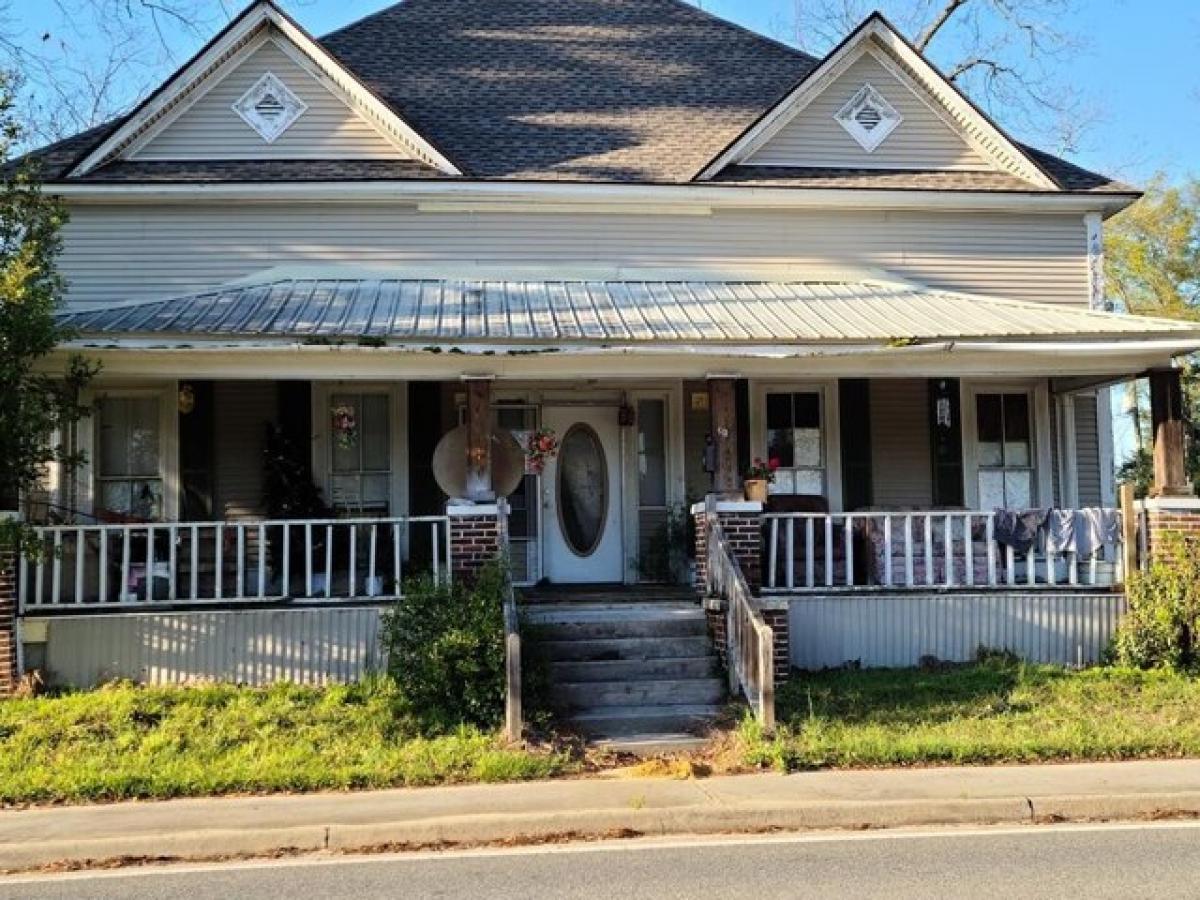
column 87, row 568
column 749, row 640
column 913, row 550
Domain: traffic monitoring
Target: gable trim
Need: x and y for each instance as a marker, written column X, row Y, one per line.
column 976, row 128
column 195, row 79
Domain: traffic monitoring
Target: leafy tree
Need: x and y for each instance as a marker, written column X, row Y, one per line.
column 35, row 404
column 1152, row 259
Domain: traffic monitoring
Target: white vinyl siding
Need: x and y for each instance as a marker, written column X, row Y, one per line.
column 923, row 140
column 241, row 412
column 902, row 469
column 116, row 252
column 210, row 129
column 1087, row 451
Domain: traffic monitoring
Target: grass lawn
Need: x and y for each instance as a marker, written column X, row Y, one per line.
column 997, row 711
column 122, row 742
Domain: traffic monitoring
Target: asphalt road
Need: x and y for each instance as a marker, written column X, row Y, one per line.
column 1158, row 861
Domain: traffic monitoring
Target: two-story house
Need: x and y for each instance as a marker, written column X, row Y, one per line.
column 385, row 258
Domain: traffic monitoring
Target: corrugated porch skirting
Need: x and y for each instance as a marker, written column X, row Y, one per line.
column 896, row 629
column 326, row 645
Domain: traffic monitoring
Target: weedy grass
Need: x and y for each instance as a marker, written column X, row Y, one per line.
column 122, row 742
column 996, row 711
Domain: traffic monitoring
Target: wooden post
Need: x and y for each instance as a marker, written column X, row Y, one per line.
column 1166, row 413
column 479, row 440
column 1129, row 528
column 722, row 396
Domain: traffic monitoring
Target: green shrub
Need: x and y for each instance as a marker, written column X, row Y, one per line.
column 445, row 650
column 1162, row 625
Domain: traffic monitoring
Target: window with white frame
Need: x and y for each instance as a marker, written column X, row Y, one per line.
column 360, row 454
column 795, row 442
column 1005, row 451
column 129, row 463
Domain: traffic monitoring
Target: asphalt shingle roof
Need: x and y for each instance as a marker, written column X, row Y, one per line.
column 588, row 90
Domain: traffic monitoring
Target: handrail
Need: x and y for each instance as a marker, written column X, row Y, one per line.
column 514, row 725
column 749, row 640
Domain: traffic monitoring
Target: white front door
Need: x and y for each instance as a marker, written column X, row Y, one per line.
column 581, row 496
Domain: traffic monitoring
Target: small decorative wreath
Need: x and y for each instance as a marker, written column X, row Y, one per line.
column 541, row 447
column 345, row 427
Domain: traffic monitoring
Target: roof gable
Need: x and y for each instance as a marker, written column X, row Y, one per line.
column 263, row 24
column 888, row 48
column 326, row 125
column 922, row 138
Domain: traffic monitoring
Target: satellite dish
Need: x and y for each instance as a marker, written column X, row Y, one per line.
column 450, row 463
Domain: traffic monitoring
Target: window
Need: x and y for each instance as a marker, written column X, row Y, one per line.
column 868, row 118
column 360, row 453
column 1004, row 451
column 795, row 442
column 129, row 470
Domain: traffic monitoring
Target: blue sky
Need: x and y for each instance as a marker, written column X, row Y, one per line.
column 1136, row 68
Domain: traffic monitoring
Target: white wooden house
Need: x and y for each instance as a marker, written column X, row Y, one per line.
column 676, row 243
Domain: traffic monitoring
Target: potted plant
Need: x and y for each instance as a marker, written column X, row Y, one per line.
column 758, row 479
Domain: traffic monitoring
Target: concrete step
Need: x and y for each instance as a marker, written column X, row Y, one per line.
column 590, row 695
column 652, row 743
column 619, row 722
column 625, row 669
column 641, row 648
column 602, row 629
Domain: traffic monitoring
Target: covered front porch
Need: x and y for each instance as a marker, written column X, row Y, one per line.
column 296, row 463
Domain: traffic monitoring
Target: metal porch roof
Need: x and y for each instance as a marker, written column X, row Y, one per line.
column 584, row 312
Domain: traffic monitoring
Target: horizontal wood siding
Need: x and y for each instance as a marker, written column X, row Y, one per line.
column 210, row 129
column 1087, row 450
column 117, row 252
column 897, row 630
column 903, row 470
column 242, row 410
column 923, row 140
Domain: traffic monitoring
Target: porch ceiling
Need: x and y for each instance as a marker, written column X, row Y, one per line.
column 564, row 314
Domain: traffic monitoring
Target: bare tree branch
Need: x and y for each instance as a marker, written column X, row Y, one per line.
column 939, row 22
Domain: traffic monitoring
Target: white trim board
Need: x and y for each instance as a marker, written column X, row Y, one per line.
column 974, row 127
column 197, row 76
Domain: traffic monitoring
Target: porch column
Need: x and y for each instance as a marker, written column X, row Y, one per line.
column 479, row 440
column 1166, row 413
column 8, row 621
column 722, row 404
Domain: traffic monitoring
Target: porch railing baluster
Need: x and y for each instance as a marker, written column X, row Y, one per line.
column 352, row 580
column 887, row 558
column 372, row 546
column 80, row 554
column 285, row 589
column 848, row 529
column 929, row 549
column 790, row 553
column 126, row 537
column 396, row 563
column 219, row 560
column 948, row 541
column 829, row 551
column 240, row 588
column 989, row 535
column 328, row 561
column 908, row 551
column 173, row 561
column 969, row 549
column 148, row 582
column 810, row 545
column 195, row 573
column 308, row 561
column 56, row 567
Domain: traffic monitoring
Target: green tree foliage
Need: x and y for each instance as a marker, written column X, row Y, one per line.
column 35, row 403
column 1153, row 251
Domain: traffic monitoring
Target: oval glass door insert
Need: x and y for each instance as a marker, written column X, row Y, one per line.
column 582, row 489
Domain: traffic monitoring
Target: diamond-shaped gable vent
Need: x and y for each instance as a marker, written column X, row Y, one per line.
column 270, row 108
column 868, row 118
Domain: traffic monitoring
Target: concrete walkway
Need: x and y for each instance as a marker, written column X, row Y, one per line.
column 206, row 829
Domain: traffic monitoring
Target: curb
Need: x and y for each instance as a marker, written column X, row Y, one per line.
column 473, row 830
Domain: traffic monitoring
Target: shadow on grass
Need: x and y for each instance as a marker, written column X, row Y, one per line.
column 890, row 697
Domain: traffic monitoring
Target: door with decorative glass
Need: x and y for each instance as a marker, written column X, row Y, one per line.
column 581, row 494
